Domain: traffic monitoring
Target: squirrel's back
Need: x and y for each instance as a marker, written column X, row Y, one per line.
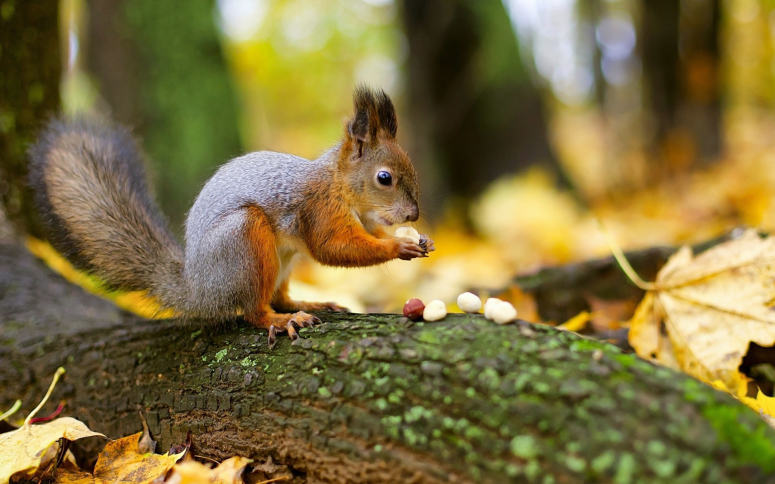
column 92, row 193
column 215, row 251
column 273, row 181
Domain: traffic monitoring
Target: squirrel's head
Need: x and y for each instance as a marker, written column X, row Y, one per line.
column 378, row 171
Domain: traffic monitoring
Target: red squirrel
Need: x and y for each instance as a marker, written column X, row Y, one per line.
column 247, row 225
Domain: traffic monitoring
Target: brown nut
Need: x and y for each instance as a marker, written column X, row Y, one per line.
column 413, row 309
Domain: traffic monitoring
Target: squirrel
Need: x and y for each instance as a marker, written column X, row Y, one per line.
column 245, row 228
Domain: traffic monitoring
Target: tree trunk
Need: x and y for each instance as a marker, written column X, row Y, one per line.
column 475, row 112
column 29, row 93
column 375, row 398
column 681, row 56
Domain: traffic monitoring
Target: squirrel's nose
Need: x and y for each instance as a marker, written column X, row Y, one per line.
column 414, row 214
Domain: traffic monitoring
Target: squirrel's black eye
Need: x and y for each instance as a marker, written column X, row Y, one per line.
column 384, row 178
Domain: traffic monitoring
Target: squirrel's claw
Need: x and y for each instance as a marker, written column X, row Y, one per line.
column 291, row 327
column 427, row 243
column 289, row 323
column 272, row 336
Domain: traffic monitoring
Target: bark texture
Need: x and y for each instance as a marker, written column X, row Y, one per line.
column 375, row 398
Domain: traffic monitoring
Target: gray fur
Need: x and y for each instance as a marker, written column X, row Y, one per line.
column 91, row 188
column 218, row 258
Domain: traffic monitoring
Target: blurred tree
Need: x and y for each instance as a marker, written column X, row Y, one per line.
column 475, row 113
column 160, row 67
column 700, row 50
column 680, row 55
column 591, row 12
column 29, row 92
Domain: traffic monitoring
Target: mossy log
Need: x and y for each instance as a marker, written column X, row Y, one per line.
column 374, row 397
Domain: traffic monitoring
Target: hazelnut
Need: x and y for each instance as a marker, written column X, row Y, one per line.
column 413, row 309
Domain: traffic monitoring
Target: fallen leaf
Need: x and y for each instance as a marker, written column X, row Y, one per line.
column 609, row 314
column 702, row 312
column 138, row 302
column 577, row 322
column 764, row 404
column 69, row 473
column 192, row 472
column 24, row 450
column 122, row 460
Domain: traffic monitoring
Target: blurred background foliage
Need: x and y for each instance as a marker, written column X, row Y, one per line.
column 527, row 119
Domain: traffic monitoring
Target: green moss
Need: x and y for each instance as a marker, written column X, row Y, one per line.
column 603, row 462
column 220, row 355
column 247, row 361
column 524, row 446
column 324, row 392
column 626, row 468
column 575, row 464
column 750, row 444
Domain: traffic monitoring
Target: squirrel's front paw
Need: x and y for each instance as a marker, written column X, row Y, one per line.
column 408, row 250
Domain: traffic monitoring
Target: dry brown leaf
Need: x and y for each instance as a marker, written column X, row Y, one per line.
column 27, row 448
column 609, row 314
column 69, row 473
column 122, row 461
column 703, row 312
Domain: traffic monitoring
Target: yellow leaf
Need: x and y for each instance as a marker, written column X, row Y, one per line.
column 25, row 449
column 68, row 473
column 764, row 404
column 227, row 472
column 703, row 312
column 644, row 328
column 122, row 461
column 577, row 322
column 138, row 302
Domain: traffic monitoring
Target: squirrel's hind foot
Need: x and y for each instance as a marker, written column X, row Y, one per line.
column 310, row 306
column 283, row 322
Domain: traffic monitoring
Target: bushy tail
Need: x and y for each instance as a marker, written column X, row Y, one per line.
column 92, row 192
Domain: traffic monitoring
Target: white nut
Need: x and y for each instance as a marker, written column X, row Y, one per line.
column 490, row 305
column 504, row 312
column 434, row 310
column 469, row 302
column 408, row 233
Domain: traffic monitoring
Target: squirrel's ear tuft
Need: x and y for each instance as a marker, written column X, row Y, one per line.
column 363, row 126
column 387, row 114
column 374, row 112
